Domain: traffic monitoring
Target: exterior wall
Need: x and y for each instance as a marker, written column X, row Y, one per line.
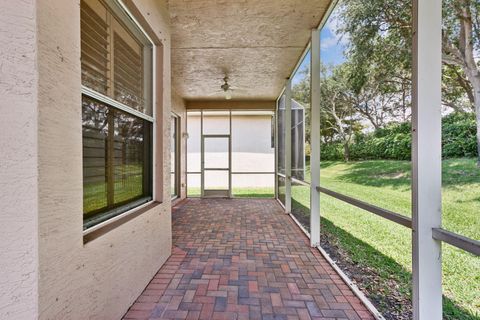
column 100, row 279
column 178, row 107
column 18, row 161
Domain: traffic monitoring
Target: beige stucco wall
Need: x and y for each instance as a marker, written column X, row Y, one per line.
column 18, row 161
column 98, row 280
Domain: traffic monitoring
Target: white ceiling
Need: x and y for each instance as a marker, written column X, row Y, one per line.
column 255, row 42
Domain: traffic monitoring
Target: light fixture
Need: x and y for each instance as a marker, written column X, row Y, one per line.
column 226, row 88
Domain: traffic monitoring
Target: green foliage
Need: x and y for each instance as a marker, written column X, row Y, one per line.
column 458, row 135
column 331, row 151
column 394, row 142
column 379, row 51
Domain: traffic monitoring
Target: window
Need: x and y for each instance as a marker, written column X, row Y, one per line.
column 117, row 115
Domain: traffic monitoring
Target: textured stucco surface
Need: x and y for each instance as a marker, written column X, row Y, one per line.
column 18, row 161
column 98, row 280
column 257, row 43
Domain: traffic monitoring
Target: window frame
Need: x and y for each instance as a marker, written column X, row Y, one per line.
column 113, row 6
column 177, row 164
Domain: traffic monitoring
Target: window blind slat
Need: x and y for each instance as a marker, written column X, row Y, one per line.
column 128, row 66
column 94, row 49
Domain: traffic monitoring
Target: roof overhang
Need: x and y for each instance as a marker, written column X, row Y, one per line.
column 255, row 43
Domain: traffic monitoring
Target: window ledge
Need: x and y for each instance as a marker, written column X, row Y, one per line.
column 104, row 227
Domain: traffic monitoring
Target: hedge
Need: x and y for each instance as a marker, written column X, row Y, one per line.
column 395, row 141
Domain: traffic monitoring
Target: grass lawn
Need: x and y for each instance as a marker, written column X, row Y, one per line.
column 240, row 192
column 95, row 192
column 385, row 247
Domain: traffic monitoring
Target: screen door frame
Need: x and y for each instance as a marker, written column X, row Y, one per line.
column 216, row 193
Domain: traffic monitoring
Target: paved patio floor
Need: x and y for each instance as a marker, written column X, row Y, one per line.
column 243, row 259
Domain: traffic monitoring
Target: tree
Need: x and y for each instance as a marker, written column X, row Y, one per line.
column 380, row 34
column 301, row 93
column 460, row 42
column 375, row 97
column 337, row 113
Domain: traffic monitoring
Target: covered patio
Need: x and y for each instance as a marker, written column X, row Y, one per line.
column 243, row 259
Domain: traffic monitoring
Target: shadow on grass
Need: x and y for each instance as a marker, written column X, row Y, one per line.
column 377, row 173
column 325, row 164
column 394, row 173
column 385, row 282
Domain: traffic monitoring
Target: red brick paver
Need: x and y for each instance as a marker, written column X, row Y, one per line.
column 243, row 259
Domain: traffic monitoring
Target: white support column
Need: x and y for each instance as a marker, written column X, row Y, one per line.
column 315, row 139
column 202, row 156
column 288, row 146
column 427, row 159
column 276, row 148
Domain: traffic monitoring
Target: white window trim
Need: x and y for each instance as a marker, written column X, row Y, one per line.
column 117, row 217
column 114, row 103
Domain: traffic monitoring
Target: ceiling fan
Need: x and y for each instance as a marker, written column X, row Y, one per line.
column 226, row 89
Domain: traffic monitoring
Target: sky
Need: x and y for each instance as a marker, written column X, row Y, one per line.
column 332, row 42
column 332, row 46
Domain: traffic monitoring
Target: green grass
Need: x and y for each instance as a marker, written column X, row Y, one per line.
column 240, row 192
column 253, row 192
column 376, row 243
column 95, row 193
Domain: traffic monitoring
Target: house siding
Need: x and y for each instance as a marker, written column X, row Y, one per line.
column 100, row 279
column 18, row 161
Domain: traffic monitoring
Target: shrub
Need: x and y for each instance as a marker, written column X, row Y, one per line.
column 459, row 135
column 395, row 141
column 331, row 151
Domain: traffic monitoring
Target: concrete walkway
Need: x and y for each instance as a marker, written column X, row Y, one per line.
column 243, row 259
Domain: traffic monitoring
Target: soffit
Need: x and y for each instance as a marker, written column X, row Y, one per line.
column 256, row 43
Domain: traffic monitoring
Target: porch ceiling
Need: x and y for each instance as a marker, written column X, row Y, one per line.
column 256, row 43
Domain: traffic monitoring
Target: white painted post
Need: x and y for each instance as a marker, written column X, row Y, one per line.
column 288, row 146
column 427, row 159
column 202, row 160
column 315, row 139
column 276, row 148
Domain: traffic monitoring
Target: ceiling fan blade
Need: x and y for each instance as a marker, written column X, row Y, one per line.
column 238, row 89
column 216, row 93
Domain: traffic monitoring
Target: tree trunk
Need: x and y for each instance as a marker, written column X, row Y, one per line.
column 475, row 81
column 466, row 48
column 346, row 152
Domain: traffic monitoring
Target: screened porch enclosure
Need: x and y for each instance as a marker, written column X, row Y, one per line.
column 230, row 153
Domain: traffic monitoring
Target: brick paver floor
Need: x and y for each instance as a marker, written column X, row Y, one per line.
column 243, row 259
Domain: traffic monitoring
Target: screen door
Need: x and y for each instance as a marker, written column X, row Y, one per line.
column 216, row 181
